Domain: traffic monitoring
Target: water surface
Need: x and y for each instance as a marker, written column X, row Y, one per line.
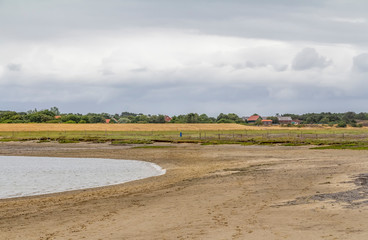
column 28, row 176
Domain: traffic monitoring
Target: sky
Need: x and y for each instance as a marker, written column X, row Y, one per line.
column 176, row 57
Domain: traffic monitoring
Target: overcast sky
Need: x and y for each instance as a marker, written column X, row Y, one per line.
column 175, row 57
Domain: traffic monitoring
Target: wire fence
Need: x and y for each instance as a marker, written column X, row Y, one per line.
column 237, row 136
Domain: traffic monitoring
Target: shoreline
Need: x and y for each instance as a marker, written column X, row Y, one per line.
column 208, row 192
column 25, row 176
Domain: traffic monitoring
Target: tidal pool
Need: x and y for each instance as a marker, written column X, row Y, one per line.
column 29, row 176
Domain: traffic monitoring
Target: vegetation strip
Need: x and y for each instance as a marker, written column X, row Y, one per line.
column 325, row 138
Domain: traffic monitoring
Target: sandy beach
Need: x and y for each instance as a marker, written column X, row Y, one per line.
column 208, row 192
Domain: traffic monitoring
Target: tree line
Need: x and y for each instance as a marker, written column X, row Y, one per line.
column 341, row 119
column 53, row 115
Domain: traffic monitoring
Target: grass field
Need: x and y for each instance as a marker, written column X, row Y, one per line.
column 339, row 138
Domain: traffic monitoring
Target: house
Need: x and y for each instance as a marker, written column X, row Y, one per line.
column 296, row 122
column 285, row 120
column 253, row 119
column 167, row 118
column 57, row 117
column 107, row 120
column 267, row 122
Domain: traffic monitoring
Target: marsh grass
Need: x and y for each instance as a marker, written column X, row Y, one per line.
column 352, row 146
column 331, row 138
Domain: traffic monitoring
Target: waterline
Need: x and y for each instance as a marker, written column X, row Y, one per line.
column 29, row 176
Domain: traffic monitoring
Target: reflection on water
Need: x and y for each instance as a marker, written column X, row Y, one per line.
column 27, row 176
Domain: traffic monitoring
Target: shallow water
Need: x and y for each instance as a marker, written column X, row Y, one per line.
column 28, row 176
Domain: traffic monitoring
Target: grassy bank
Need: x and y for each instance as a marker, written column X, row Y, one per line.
column 341, row 138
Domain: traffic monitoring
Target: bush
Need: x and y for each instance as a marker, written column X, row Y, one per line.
column 54, row 121
column 222, row 120
column 70, row 121
column 341, row 124
column 124, row 120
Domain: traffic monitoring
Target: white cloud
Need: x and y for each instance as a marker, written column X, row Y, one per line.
column 172, row 56
column 14, row 67
column 350, row 20
column 308, row 58
column 361, row 62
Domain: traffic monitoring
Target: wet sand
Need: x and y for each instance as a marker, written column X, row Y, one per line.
column 208, row 192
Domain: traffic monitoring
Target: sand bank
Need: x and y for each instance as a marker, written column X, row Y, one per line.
column 208, row 192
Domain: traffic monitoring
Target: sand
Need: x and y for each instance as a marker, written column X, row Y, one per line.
column 208, row 192
column 133, row 127
column 30, row 127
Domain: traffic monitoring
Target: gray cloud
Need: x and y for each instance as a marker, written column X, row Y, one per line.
column 173, row 57
column 360, row 62
column 308, row 58
column 14, row 67
column 280, row 68
column 179, row 98
column 281, row 20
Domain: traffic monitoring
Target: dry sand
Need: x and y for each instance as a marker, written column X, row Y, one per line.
column 121, row 127
column 31, row 127
column 209, row 192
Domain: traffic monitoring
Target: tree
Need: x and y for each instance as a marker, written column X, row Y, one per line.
column 124, row 120
column 275, row 120
column 325, row 120
column 95, row 118
column 192, row 118
column 71, row 117
column 228, row 118
column 55, row 110
column 258, row 122
column 39, row 117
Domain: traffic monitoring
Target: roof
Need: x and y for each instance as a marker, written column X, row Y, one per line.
column 267, row 120
column 285, row 119
column 167, row 118
column 253, row 118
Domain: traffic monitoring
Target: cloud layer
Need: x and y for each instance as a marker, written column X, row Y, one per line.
column 177, row 57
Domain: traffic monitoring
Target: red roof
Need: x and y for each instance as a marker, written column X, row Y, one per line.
column 107, row 120
column 253, row 118
column 57, row 117
column 267, row 120
column 167, row 119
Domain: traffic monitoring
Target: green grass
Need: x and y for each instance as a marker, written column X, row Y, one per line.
column 352, row 146
column 293, row 144
column 333, row 138
column 67, row 141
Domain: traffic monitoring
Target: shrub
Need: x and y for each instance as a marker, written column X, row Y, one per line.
column 124, row 120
